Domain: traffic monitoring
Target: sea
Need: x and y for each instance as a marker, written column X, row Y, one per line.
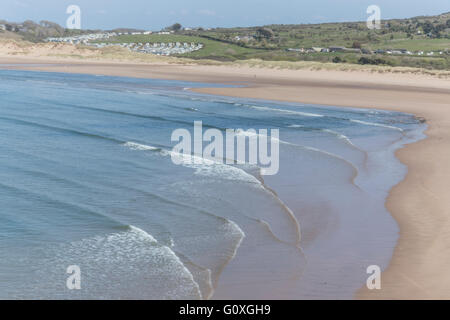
column 87, row 183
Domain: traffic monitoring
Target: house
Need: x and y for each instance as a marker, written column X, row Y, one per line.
column 354, row 50
column 295, row 50
column 344, row 49
column 317, row 49
column 244, row 38
column 336, row 49
column 21, row 28
column 404, row 51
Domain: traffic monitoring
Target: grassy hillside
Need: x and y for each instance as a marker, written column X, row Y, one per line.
column 286, row 42
column 414, row 34
column 212, row 49
column 230, row 44
column 344, row 34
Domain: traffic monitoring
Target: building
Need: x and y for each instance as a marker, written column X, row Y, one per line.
column 344, row 49
column 336, row 49
column 354, row 50
column 296, row 50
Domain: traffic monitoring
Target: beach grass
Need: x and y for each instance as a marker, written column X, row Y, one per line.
column 119, row 54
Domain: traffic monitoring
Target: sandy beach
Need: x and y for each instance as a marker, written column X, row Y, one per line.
column 420, row 204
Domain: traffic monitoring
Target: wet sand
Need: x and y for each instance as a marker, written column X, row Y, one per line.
column 420, row 204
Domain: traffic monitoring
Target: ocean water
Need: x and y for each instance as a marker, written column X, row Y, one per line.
column 87, row 179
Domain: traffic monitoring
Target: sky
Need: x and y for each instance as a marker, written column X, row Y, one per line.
column 156, row 14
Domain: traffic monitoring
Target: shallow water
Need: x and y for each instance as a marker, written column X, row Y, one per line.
column 87, row 179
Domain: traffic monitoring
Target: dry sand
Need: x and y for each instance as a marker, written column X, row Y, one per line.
column 420, row 204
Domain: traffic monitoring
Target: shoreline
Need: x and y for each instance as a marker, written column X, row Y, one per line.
column 417, row 269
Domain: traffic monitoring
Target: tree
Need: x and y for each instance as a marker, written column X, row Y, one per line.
column 376, row 61
column 427, row 27
column 265, row 33
column 54, row 28
column 175, row 27
column 356, row 45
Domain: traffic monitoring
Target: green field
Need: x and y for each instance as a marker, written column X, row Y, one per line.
column 413, row 44
column 227, row 44
column 212, row 49
column 408, row 33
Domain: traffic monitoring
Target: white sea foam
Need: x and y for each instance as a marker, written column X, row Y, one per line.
column 228, row 232
column 342, row 137
column 131, row 244
column 142, row 233
column 53, row 83
column 305, row 114
column 246, row 133
column 376, row 125
column 335, row 133
column 203, row 166
column 208, row 167
column 129, row 264
column 138, row 146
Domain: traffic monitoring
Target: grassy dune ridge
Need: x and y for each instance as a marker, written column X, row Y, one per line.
column 46, row 51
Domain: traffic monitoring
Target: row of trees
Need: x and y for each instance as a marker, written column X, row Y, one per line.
column 434, row 29
column 33, row 30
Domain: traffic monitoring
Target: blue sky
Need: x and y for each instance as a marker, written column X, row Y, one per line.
column 155, row 14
